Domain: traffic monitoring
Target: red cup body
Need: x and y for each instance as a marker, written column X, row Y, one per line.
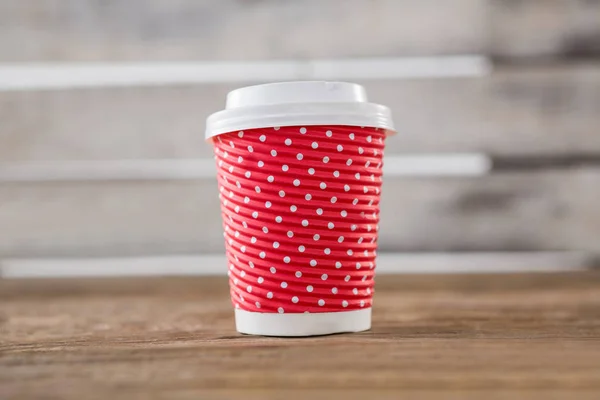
column 300, row 209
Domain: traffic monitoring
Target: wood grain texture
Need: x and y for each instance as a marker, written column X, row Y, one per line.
column 541, row 210
column 466, row 336
column 43, row 30
column 515, row 111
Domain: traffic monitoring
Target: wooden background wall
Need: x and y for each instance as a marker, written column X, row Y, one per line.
column 537, row 115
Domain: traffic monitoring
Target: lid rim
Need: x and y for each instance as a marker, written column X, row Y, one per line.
column 294, row 114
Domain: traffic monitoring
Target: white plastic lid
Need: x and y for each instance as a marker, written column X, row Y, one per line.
column 298, row 103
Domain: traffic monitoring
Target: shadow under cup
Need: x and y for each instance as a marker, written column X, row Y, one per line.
column 300, row 208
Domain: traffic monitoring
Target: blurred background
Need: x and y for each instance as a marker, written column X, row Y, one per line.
column 104, row 169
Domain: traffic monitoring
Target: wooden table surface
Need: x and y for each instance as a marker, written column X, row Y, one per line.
column 460, row 336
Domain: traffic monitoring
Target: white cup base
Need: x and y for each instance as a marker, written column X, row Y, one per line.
column 271, row 324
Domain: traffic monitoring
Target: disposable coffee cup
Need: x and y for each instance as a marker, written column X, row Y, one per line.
column 299, row 174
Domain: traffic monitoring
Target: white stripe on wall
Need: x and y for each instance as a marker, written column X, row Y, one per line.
column 408, row 165
column 387, row 263
column 40, row 76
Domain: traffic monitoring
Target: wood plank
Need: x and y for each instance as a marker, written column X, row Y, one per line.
column 516, row 111
column 530, row 336
column 34, row 30
column 533, row 29
column 542, row 210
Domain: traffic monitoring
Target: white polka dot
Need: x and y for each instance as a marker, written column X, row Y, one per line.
column 253, row 240
column 295, row 299
column 321, row 302
column 247, row 174
column 270, row 295
column 330, row 225
column 347, row 278
column 360, row 150
column 366, row 253
column 288, row 142
column 235, row 281
column 349, row 252
column 309, row 288
column 280, row 310
column 261, row 164
column 320, row 211
column 225, row 154
column 369, row 228
column 333, row 200
column 230, row 194
column 276, row 128
column 365, row 189
column 298, row 274
column 304, row 222
column 316, row 237
column 358, row 265
column 351, row 136
column 246, row 199
column 301, row 249
column 250, row 149
column 336, row 174
column 287, row 259
column 314, row 145
column 257, row 188
column 344, row 303
column 243, row 274
column 262, row 254
column 340, row 147
column 296, row 182
column 344, row 213
column 270, row 178
column 249, row 289
column 237, row 209
column 268, row 204
column 334, row 290
column 357, row 175
column 311, row 171
column 325, row 159
column 303, row 130
column 355, row 201
column 262, row 138
column 274, row 153
column 236, row 234
column 273, row 270
column 364, row 278
column 257, row 304
column 313, row 263
column 308, row 196
column 346, row 188
column 371, row 265
column 368, row 291
column 371, row 202
column 362, row 303
column 329, row 133
column 323, row 185
column 349, row 162
column 231, row 169
column 275, row 245
column 241, row 134
column 255, row 214
column 260, row 279
column 375, row 152
column 220, row 163
column 353, row 228
column 243, row 249
column 338, row 264
column 327, row 251
column 372, row 178
column 285, row 168
column 293, row 208
column 240, row 159
column 299, row 156
column 340, row 239
column 360, row 240
column 281, row 193
column 355, row 291
column 284, row 284
column 278, row 219
column 238, row 184
column 324, row 277
column 369, row 138
column 290, row 234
